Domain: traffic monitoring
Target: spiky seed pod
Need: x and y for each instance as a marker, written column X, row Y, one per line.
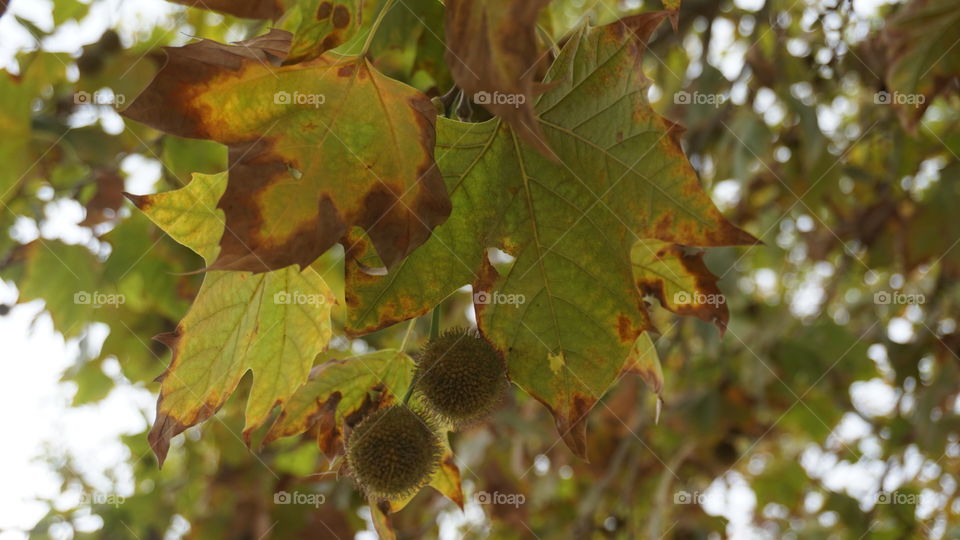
column 393, row 452
column 460, row 376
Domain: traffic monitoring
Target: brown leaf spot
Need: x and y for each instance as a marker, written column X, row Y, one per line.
column 663, row 227
column 341, row 16
column 324, row 11
column 347, row 70
column 485, row 282
column 328, row 434
column 625, row 329
column 330, row 42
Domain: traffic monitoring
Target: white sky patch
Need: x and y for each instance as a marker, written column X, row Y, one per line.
column 726, row 194
column 873, row 398
column 726, row 51
column 900, row 330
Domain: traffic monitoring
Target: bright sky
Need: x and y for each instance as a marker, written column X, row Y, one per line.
column 37, row 419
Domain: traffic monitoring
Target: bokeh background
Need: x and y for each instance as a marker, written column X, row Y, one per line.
column 829, row 409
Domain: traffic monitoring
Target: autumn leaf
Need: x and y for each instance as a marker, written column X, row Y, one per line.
column 273, row 324
column 493, row 56
column 315, row 149
column 645, row 362
column 250, row 9
column 321, row 25
column 342, row 386
column 317, row 25
column 921, row 59
column 678, row 278
column 567, row 312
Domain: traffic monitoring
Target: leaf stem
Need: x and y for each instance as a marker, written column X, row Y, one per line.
column 406, row 397
column 435, row 323
column 403, row 344
column 387, row 6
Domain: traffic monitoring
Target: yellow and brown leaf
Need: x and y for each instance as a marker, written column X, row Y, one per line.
column 302, row 170
column 273, row 324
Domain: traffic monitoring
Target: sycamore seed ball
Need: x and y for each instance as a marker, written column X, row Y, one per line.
column 393, row 452
column 460, row 376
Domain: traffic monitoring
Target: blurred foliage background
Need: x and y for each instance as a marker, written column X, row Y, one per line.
column 829, row 409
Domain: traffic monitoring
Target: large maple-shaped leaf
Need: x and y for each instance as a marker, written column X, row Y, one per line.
column 493, row 57
column 315, row 148
column 273, row 324
column 922, row 62
column 568, row 311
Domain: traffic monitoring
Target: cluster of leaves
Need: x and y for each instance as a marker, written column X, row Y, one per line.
column 585, row 188
column 360, row 169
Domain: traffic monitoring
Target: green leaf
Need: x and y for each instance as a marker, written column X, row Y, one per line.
column 65, row 10
column 316, row 148
column 66, row 278
column 409, row 45
column 342, row 385
column 145, row 273
column 273, row 324
column 92, row 383
column 921, row 60
column 573, row 311
column 17, row 94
